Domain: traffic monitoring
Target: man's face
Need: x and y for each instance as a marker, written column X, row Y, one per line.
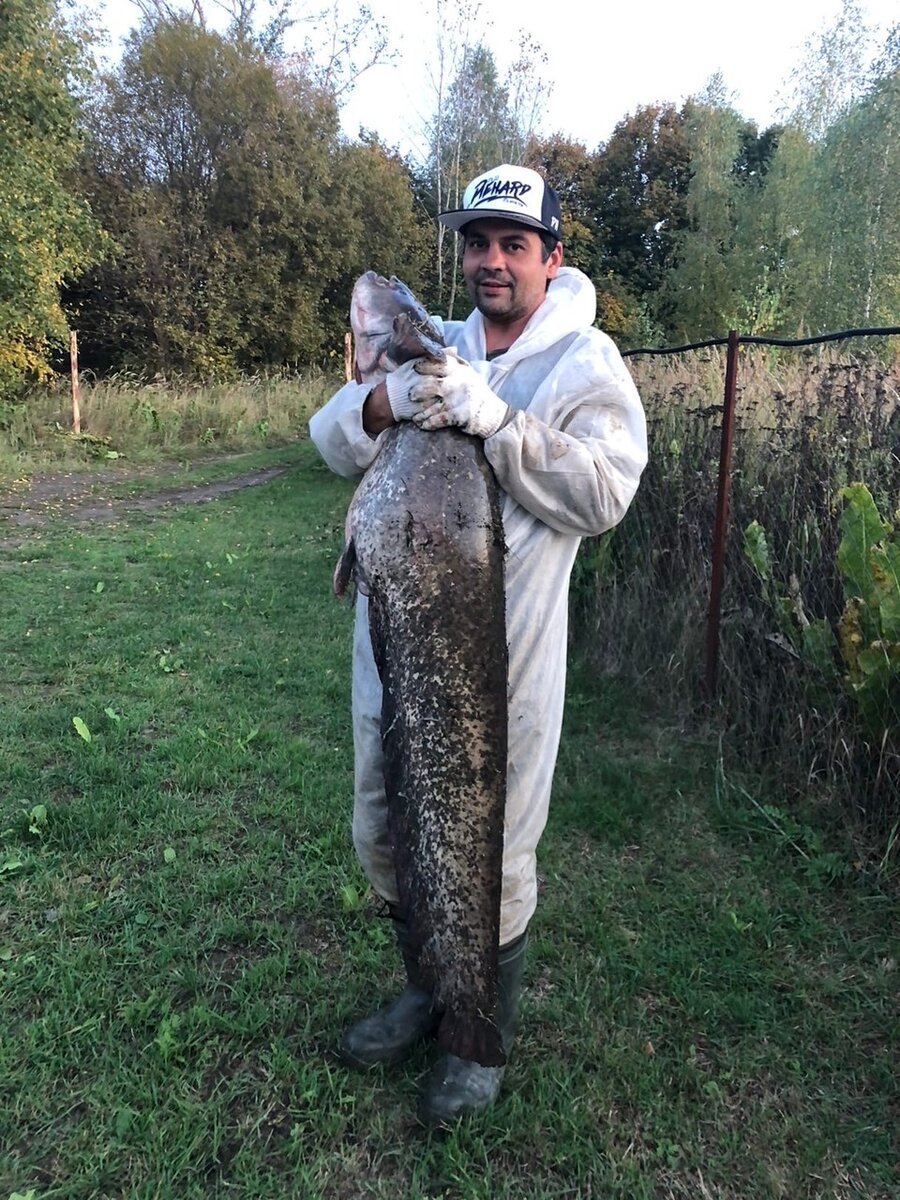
column 504, row 271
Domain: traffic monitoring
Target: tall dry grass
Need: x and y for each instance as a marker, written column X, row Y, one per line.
column 126, row 417
column 807, row 424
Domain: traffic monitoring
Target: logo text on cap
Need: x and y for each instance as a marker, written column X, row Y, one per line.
column 500, row 189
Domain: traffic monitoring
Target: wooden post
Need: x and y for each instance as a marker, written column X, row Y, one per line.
column 76, row 387
column 348, row 356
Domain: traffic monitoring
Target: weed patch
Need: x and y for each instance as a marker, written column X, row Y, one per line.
column 809, row 425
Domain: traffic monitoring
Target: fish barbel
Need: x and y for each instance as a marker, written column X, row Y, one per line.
column 425, row 538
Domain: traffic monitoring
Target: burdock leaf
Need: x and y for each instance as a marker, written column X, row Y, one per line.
column 81, row 729
column 756, row 549
column 862, row 528
column 818, row 647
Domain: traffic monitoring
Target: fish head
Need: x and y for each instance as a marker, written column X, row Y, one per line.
column 389, row 326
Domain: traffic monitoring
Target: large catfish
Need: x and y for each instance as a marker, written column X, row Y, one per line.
column 425, row 541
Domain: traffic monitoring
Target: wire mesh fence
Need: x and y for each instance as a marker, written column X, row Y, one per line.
column 808, row 422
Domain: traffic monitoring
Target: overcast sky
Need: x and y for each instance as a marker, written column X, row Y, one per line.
column 599, row 67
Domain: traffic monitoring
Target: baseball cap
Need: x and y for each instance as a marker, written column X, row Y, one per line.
column 512, row 194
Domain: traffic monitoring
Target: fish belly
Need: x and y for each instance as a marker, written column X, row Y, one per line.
column 428, row 539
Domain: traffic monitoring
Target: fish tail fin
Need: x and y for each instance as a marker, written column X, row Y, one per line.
column 474, row 1038
column 343, row 572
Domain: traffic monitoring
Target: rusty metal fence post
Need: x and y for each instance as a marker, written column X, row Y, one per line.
column 720, row 534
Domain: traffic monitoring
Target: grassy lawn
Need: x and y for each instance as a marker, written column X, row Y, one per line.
column 184, row 930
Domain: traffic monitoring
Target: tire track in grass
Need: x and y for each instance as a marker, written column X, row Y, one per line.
column 72, row 498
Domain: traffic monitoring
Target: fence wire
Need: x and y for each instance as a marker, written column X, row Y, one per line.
column 803, row 431
column 752, row 339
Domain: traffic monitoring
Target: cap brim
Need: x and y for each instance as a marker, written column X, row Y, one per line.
column 458, row 218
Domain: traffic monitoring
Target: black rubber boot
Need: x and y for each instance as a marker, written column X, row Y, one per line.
column 390, row 1034
column 455, row 1086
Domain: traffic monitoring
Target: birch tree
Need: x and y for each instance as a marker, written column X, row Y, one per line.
column 859, row 204
column 482, row 117
column 830, row 74
column 700, row 294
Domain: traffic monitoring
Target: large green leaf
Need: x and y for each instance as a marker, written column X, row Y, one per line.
column 756, row 549
column 886, row 576
column 862, row 528
column 819, row 646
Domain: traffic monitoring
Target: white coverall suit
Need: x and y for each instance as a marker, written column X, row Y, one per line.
column 568, row 463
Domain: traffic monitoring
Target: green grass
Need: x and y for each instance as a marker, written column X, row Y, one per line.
column 184, row 930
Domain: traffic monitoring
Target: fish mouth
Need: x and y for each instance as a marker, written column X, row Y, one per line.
column 390, row 326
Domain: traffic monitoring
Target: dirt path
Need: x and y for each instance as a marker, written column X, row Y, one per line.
column 79, row 497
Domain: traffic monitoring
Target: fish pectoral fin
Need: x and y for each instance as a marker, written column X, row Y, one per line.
column 345, row 570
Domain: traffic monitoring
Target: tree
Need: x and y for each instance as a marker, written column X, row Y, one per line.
column 570, row 169
column 858, row 201
column 333, row 56
column 638, row 204
column 831, row 188
column 241, row 216
column 772, row 257
column 703, row 291
column 527, row 92
column 381, row 223
column 756, row 152
column 480, row 120
column 208, row 171
column 46, row 230
column 476, row 131
column 828, row 79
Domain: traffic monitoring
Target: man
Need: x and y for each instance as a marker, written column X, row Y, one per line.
column 564, row 432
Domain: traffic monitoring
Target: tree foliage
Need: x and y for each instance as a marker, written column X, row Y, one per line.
column 46, row 229
column 830, row 195
column 856, row 207
column 640, row 196
column 827, row 80
column 638, row 201
column 571, row 170
column 236, row 215
column 235, row 205
column 702, row 287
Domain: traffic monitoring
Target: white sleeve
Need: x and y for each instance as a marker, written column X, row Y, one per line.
column 579, row 477
column 338, row 434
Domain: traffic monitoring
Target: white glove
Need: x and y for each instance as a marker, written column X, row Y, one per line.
column 458, row 396
column 399, row 384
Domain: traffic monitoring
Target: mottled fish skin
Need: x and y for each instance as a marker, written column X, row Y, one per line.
column 426, row 534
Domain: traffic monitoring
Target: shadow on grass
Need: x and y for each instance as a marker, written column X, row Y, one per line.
column 619, row 766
